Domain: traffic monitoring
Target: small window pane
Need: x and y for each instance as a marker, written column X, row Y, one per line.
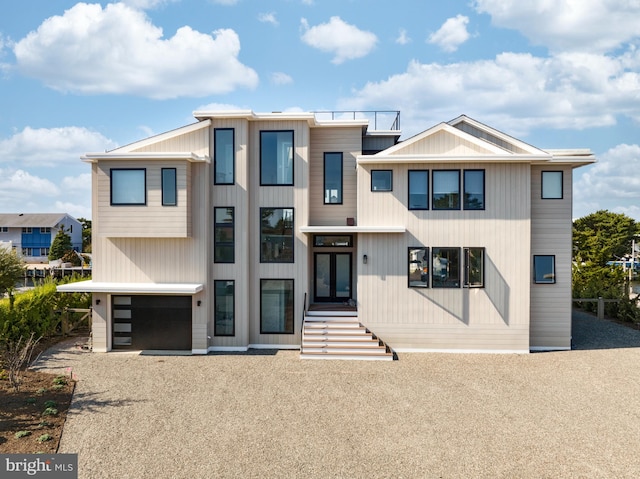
column 333, row 178
column 419, row 267
column 225, row 308
column 276, row 306
column 224, row 235
column 552, row 185
column 418, row 189
column 224, row 156
column 381, row 180
column 446, row 190
column 474, row 189
column 474, row 267
column 445, row 268
column 276, row 158
column 544, row 269
column 169, row 187
column 276, row 236
column 129, row 187
column 333, row 240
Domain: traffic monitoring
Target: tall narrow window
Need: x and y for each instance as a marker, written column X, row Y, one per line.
column 544, row 269
column 224, row 299
column 446, row 190
column 333, row 178
column 473, row 189
column 418, row 189
column 276, row 306
column 276, row 158
column 445, row 268
column 169, row 187
column 276, row 235
column 224, row 156
column 474, row 267
column 551, row 185
column 419, row 267
column 128, row 186
column 381, row 180
column 224, row 235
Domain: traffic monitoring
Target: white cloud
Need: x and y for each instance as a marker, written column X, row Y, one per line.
column 577, row 25
column 147, row 4
column 268, row 18
column 225, row 2
column 403, row 38
column 345, row 41
column 118, row 50
column 451, row 34
column 21, row 191
column 220, row 107
column 52, row 146
column 279, row 78
column 77, row 210
column 80, row 183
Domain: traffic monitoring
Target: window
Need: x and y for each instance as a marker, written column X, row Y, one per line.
column 4, row 229
column 169, row 187
column 333, row 178
column 129, row 186
column 28, row 230
column 333, row 240
column 419, row 267
column 224, row 235
column 445, row 269
column 276, row 306
column 224, row 156
column 224, row 299
column 418, row 189
column 276, row 235
column 474, row 267
column 544, row 269
column 473, row 189
column 45, row 230
column 276, row 158
column 381, row 180
column 27, row 251
column 552, row 185
column 446, row 190
column 44, row 251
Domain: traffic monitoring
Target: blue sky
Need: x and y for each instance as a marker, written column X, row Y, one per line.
column 88, row 77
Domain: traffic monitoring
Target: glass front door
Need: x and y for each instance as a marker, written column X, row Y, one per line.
column 332, row 277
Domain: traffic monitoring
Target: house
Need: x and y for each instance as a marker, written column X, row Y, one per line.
column 31, row 234
column 326, row 233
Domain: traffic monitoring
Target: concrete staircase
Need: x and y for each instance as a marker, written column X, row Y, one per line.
column 339, row 335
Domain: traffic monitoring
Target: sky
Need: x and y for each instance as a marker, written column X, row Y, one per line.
column 89, row 77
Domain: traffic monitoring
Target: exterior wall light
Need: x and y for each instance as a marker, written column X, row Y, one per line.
column 364, row 259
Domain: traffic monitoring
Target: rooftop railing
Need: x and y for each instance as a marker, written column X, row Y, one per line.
column 377, row 119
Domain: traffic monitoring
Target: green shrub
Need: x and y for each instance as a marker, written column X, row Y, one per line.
column 50, row 403
column 20, row 434
column 45, row 438
column 50, row 411
column 60, row 380
column 44, row 424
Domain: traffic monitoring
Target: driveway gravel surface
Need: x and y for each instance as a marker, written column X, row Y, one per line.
column 268, row 414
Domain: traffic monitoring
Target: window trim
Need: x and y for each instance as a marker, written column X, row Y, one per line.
column 553, row 264
column 293, row 233
column 215, row 156
column 467, row 267
column 111, row 171
column 324, row 178
column 433, row 191
column 390, row 181
column 293, row 305
column 464, row 189
column 174, row 186
column 317, row 245
column 458, row 278
column 293, row 159
column 409, row 190
column 215, row 311
column 428, row 255
column 542, row 174
column 231, row 243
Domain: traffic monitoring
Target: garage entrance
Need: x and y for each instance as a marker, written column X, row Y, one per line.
column 151, row 322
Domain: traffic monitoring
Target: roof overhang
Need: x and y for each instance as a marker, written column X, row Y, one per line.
column 309, row 117
column 165, row 156
column 130, row 288
column 379, row 159
column 352, row 229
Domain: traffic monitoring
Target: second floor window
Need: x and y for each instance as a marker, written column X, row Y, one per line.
column 224, row 156
column 129, row 186
column 446, row 190
column 473, row 189
column 333, row 178
column 276, row 158
column 169, row 187
column 224, row 235
column 276, row 235
column 418, row 189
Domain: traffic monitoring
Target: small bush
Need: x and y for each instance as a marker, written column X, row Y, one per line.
column 60, row 380
column 20, row 434
column 41, row 391
column 45, row 438
column 50, row 403
column 58, row 387
column 44, row 424
column 50, row 411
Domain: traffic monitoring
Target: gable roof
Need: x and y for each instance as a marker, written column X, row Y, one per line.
column 34, row 220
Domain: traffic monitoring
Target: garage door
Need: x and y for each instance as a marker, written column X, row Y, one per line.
column 152, row 322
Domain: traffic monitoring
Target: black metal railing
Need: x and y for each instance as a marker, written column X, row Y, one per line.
column 383, row 117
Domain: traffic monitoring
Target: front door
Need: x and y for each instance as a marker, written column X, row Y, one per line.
column 332, row 277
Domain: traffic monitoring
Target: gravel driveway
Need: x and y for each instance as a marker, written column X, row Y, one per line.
column 271, row 415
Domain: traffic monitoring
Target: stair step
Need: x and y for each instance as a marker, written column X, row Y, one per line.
column 332, row 324
column 350, row 357
column 380, row 350
column 336, row 332
column 330, row 343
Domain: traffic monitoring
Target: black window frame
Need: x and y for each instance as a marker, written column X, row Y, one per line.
column 434, row 205
column 446, row 283
column 263, row 257
column 466, row 254
column 216, row 300
column 373, row 172
column 465, row 202
column 291, row 306
column 324, row 176
column 216, row 159
column 542, row 175
column 553, row 280
column 173, row 185
column 409, row 183
column 293, row 157
column 224, row 244
column 111, row 171
column 317, row 243
column 420, row 265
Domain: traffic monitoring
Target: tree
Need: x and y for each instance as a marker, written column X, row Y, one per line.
column 86, row 234
column 603, row 236
column 61, row 244
column 11, row 270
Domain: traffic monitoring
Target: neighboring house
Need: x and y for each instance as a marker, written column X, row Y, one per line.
column 31, row 234
column 218, row 235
